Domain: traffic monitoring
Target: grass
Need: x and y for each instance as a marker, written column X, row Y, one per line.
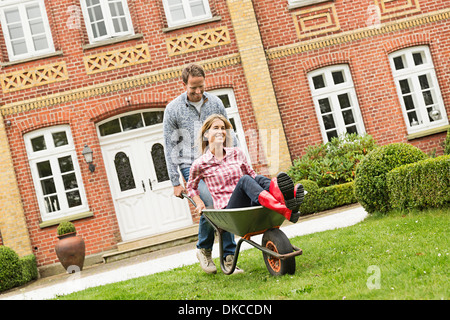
column 398, row 256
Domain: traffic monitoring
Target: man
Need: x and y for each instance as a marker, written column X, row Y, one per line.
column 183, row 118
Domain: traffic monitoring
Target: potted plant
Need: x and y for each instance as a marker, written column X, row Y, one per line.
column 70, row 248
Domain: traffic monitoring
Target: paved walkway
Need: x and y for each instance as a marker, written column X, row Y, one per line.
column 50, row 287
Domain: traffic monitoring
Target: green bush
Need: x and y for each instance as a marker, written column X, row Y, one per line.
column 370, row 183
column 320, row 199
column 15, row 271
column 422, row 184
column 334, row 162
column 10, row 270
column 65, row 227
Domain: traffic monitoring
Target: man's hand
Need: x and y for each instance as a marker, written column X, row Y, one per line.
column 177, row 190
column 200, row 205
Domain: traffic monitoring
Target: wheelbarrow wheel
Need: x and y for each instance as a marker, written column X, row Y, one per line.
column 276, row 241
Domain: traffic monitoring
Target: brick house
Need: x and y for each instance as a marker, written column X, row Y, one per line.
column 97, row 74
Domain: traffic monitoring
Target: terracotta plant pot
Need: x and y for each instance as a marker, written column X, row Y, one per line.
column 71, row 251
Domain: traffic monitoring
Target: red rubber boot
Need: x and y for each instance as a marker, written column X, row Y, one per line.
column 267, row 200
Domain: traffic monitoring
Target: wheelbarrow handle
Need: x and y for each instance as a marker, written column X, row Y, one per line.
column 184, row 195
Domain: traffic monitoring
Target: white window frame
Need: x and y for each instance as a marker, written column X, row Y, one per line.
column 52, row 153
column 332, row 92
column 108, row 20
column 21, row 5
column 411, row 74
column 233, row 114
column 189, row 18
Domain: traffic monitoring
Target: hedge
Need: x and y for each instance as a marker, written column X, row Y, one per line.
column 320, row 199
column 370, row 182
column 15, row 271
column 422, row 184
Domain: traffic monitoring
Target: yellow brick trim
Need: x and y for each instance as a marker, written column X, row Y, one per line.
column 302, row 16
column 113, row 86
column 358, row 34
column 12, row 217
column 116, row 59
column 33, row 77
column 412, row 6
column 198, row 41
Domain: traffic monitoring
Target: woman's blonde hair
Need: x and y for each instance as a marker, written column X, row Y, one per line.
column 203, row 141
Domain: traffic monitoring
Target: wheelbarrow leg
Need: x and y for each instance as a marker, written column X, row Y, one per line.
column 226, row 270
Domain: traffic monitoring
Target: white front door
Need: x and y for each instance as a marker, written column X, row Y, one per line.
column 140, row 185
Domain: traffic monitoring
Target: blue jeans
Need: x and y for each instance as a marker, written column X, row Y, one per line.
column 247, row 191
column 205, row 230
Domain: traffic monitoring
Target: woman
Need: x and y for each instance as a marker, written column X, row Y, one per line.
column 232, row 182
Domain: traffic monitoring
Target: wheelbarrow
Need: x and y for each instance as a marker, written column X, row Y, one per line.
column 278, row 252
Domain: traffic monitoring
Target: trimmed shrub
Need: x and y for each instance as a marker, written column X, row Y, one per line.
column 422, row 184
column 334, row 162
column 65, row 227
column 15, row 271
column 370, row 183
column 10, row 270
column 320, row 199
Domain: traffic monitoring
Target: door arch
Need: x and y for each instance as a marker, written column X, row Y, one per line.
column 133, row 150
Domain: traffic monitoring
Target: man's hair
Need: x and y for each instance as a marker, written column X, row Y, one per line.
column 193, row 70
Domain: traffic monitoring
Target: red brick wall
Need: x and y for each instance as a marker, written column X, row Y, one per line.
column 369, row 66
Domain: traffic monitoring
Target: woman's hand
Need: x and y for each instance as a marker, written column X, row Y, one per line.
column 200, row 205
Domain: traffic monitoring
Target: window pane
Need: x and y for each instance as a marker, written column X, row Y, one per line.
column 19, row 47
column 124, row 172
column 73, row 198
column 398, row 62
column 131, row 122
column 404, row 86
column 48, row 186
column 344, row 101
column 70, row 181
column 40, row 43
column 177, row 14
column 324, row 105
column 412, row 117
column 409, row 104
column 338, row 77
column 197, row 9
column 352, row 129
column 15, row 31
column 319, row 82
column 417, row 58
column 44, row 169
column 159, row 162
column 33, row 12
column 225, row 100
column 110, row 127
column 38, row 143
column 12, row 16
column 65, row 164
column 152, row 118
column 427, row 97
column 51, row 203
column 60, row 138
column 332, row 134
column 423, row 79
column 328, row 122
column 348, row 116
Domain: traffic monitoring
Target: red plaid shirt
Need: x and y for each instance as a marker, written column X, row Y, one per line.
column 221, row 177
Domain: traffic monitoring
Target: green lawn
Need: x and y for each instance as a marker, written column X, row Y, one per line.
column 399, row 256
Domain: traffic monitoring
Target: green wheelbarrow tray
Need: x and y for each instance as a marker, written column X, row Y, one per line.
column 248, row 222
